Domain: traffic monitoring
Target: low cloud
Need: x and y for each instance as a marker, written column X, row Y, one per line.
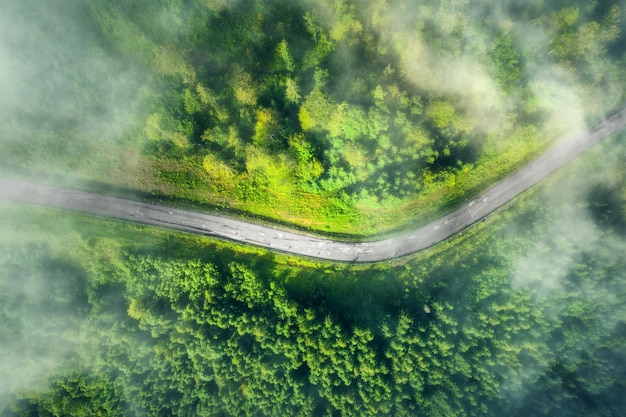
column 41, row 314
column 64, row 99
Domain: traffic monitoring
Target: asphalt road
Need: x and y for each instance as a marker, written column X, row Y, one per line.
column 307, row 245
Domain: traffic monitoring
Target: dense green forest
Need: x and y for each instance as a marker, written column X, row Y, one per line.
column 352, row 117
column 523, row 315
column 348, row 117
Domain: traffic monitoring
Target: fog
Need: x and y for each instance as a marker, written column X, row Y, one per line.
column 42, row 305
column 570, row 268
column 457, row 66
column 57, row 75
column 64, row 100
column 33, row 348
column 64, row 103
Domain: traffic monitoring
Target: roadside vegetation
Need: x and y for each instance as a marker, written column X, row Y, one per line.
column 344, row 117
column 355, row 117
column 522, row 315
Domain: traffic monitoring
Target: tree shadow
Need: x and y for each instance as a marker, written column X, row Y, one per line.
column 607, row 208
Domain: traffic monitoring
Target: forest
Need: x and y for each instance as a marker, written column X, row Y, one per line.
column 352, row 118
column 519, row 316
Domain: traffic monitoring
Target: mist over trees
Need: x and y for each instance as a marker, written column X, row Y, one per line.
column 366, row 105
column 348, row 117
column 519, row 316
column 61, row 86
column 344, row 116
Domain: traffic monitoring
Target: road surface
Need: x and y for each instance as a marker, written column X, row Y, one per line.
column 306, row 245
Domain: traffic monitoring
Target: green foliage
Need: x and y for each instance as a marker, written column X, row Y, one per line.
column 285, row 61
column 178, row 325
column 507, row 62
column 346, row 24
column 265, row 129
column 192, row 102
column 400, row 105
column 292, row 91
column 335, row 116
column 441, row 113
column 243, row 88
column 316, row 111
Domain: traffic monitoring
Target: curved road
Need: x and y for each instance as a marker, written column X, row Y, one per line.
column 306, row 245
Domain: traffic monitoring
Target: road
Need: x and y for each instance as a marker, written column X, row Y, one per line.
column 312, row 246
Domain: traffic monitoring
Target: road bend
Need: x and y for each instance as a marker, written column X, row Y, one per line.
column 312, row 246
